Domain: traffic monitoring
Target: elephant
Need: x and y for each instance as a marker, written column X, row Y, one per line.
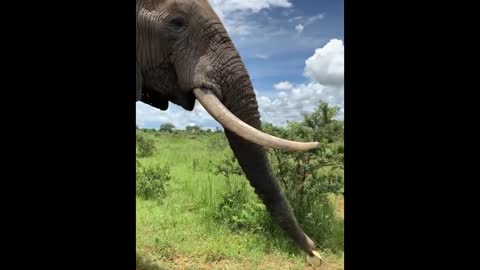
column 184, row 54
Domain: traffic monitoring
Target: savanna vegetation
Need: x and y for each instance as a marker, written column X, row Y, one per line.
column 196, row 210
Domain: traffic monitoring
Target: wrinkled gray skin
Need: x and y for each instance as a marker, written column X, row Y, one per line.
column 182, row 45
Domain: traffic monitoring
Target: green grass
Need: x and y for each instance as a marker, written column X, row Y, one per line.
column 178, row 233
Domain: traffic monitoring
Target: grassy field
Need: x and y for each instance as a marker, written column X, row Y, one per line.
column 177, row 232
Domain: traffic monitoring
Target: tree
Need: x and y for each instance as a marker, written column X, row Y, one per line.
column 194, row 128
column 167, row 127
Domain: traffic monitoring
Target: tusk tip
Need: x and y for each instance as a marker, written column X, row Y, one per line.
column 305, row 146
column 314, row 145
column 316, row 260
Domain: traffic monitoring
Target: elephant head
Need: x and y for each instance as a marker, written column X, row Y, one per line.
column 184, row 53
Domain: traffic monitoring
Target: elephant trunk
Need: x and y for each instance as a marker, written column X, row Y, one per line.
column 239, row 98
column 254, row 163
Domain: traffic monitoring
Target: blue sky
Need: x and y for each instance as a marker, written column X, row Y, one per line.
column 293, row 50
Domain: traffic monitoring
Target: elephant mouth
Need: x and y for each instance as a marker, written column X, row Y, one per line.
column 160, row 100
column 219, row 112
column 154, row 99
column 186, row 100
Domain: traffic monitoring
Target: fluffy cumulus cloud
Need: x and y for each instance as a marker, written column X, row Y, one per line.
column 326, row 65
column 303, row 98
column 286, row 85
column 325, row 71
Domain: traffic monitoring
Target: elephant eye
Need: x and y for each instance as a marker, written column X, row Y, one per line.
column 178, row 22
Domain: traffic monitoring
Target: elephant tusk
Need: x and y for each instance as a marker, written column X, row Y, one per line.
column 228, row 120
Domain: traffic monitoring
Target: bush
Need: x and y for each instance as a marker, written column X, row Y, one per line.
column 145, row 145
column 151, row 181
column 217, row 142
column 307, row 178
column 239, row 209
column 228, row 167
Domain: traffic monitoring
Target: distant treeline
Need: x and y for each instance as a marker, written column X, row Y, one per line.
column 170, row 128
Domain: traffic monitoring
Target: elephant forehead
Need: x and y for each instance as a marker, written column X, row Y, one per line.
column 161, row 4
column 198, row 12
column 200, row 8
column 151, row 4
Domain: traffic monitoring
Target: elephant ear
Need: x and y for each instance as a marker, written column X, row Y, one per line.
column 139, row 84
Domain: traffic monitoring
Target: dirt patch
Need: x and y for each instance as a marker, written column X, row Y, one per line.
column 274, row 261
column 269, row 262
column 183, row 262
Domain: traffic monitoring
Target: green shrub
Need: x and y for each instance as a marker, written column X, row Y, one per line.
column 151, row 181
column 217, row 142
column 145, row 145
column 228, row 167
column 239, row 209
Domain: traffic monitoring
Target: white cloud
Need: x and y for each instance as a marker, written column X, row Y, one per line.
column 325, row 70
column 262, row 56
column 286, row 85
column 309, row 20
column 225, row 7
column 287, row 12
column 326, row 66
column 254, row 33
column 312, row 19
column 303, row 98
column 295, row 18
column 299, row 28
column 233, row 13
